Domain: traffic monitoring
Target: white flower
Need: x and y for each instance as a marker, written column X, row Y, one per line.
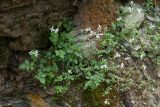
column 54, row 30
column 139, row 10
column 117, row 55
column 99, row 28
column 152, row 26
column 70, row 71
column 88, row 29
column 106, row 101
column 103, row 66
column 128, row 58
column 34, row 52
column 153, row 89
column 97, row 36
column 130, row 9
column 144, row 67
column 122, row 65
column 131, row 2
column 91, row 33
column 131, row 40
column 120, row 18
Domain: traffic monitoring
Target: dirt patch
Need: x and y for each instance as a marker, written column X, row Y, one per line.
column 96, row 12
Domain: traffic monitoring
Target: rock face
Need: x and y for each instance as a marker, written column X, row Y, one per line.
column 135, row 18
column 4, row 52
column 26, row 21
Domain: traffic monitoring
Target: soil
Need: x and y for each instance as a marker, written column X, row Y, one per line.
column 96, row 12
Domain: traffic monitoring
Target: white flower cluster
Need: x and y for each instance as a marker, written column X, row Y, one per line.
column 34, row 53
column 93, row 33
column 54, row 30
column 139, row 10
column 103, row 67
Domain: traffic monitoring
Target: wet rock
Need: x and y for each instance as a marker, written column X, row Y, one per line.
column 153, row 19
column 50, row 90
column 7, row 88
column 12, row 102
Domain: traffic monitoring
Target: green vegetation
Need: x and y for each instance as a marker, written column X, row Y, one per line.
column 149, row 6
column 64, row 63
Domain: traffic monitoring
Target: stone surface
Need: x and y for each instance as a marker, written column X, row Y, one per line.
column 27, row 21
column 153, row 19
column 5, row 53
column 87, row 41
column 135, row 18
column 13, row 102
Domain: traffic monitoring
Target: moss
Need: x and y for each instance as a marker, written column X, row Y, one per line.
column 96, row 99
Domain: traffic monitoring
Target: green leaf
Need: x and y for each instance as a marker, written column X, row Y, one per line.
column 41, row 77
column 60, row 89
column 22, row 66
column 54, row 37
column 60, row 53
column 25, row 65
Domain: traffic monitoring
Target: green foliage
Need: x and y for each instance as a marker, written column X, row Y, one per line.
column 64, row 63
column 131, row 43
column 150, row 7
